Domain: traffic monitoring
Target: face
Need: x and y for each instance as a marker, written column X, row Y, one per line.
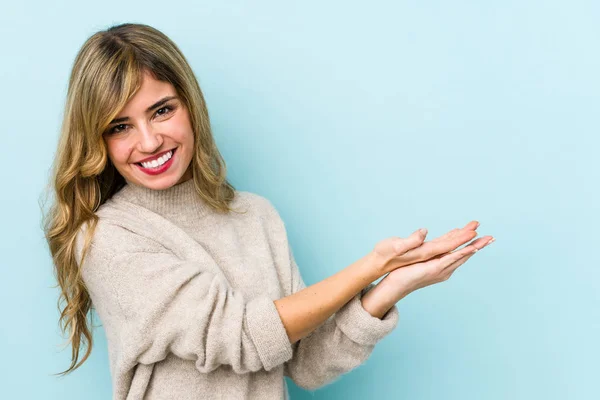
column 151, row 141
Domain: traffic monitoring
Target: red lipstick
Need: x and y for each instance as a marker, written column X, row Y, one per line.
column 158, row 170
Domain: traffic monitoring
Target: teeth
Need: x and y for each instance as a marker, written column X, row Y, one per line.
column 159, row 161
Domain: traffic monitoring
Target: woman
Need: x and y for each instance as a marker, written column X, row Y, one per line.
column 195, row 282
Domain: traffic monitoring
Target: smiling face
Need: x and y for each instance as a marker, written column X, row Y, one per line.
column 153, row 126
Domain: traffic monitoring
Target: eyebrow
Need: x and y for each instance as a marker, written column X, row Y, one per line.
column 152, row 107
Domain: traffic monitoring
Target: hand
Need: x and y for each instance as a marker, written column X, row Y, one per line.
column 438, row 268
column 395, row 252
column 402, row 281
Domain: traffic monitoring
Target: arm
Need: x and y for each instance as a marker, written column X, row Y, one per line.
column 382, row 298
column 304, row 309
column 345, row 339
column 309, row 307
column 153, row 303
column 342, row 343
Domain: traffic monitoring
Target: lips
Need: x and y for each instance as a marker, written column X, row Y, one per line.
column 153, row 171
column 156, row 157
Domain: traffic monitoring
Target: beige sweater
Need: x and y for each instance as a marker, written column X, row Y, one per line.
column 185, row 296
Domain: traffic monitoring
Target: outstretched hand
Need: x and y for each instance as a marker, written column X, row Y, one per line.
column 395, row 252
column 440, row 267
column 413, row 264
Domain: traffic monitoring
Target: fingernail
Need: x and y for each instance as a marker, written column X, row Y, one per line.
column 477, row 225
column 491, row 241
column 423, row 231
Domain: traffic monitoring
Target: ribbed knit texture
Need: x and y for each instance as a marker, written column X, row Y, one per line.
column 185, row 295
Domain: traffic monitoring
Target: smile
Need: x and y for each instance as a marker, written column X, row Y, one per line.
column 158, row 165
column 157, row 162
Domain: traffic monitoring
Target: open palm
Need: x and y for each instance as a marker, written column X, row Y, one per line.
column 440, row 267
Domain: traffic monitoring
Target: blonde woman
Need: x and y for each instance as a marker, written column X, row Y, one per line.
column 195, row 282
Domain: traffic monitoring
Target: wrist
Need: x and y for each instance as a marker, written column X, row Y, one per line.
column 400, row 288
column 379, row 300
column 379, row 264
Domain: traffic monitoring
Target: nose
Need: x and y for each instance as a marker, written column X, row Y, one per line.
column 148, row 140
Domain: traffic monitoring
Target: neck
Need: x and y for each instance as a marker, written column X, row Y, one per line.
column 174, row 202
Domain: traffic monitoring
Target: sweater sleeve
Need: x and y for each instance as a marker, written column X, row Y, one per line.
column 340, row 344
column 343, row 342
column 153, row 303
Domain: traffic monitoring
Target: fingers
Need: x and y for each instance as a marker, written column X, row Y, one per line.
column 397, row 252
column 471, row 226
column 389, row 250
column 457, row 255
column 481, row 242
column 449, row 270
column 434, row 249
column 447, row 235
column 458, row 260
column 478, row 244
column 446, row 243
column 416, row 239
column 441, row 267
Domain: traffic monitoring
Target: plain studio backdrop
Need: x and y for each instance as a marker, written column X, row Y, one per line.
column 359, row 121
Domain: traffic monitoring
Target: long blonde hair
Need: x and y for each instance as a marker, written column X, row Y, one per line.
column 106, row 74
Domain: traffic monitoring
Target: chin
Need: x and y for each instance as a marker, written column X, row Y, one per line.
column 156, row 183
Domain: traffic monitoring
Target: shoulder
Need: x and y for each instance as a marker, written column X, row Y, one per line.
column 262, row 209
column 124, row 228
column 266, row 212
column 255, row 202
column 110, row 237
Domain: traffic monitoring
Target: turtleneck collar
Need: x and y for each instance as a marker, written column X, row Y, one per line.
column 174, row 203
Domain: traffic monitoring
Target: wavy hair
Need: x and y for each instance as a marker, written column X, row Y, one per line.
column 106, row 74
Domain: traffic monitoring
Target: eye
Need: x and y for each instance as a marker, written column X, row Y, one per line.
column 166, row 110
column 117, row 128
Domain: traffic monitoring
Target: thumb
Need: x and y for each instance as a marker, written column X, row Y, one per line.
column 416, row 239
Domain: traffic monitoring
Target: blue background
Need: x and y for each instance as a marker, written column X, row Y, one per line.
column 358, row 121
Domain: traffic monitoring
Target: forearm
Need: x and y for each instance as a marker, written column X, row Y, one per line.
column 379, row 300
column 303, row 311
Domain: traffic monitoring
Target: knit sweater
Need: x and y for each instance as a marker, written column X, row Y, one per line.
column 185, row 296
